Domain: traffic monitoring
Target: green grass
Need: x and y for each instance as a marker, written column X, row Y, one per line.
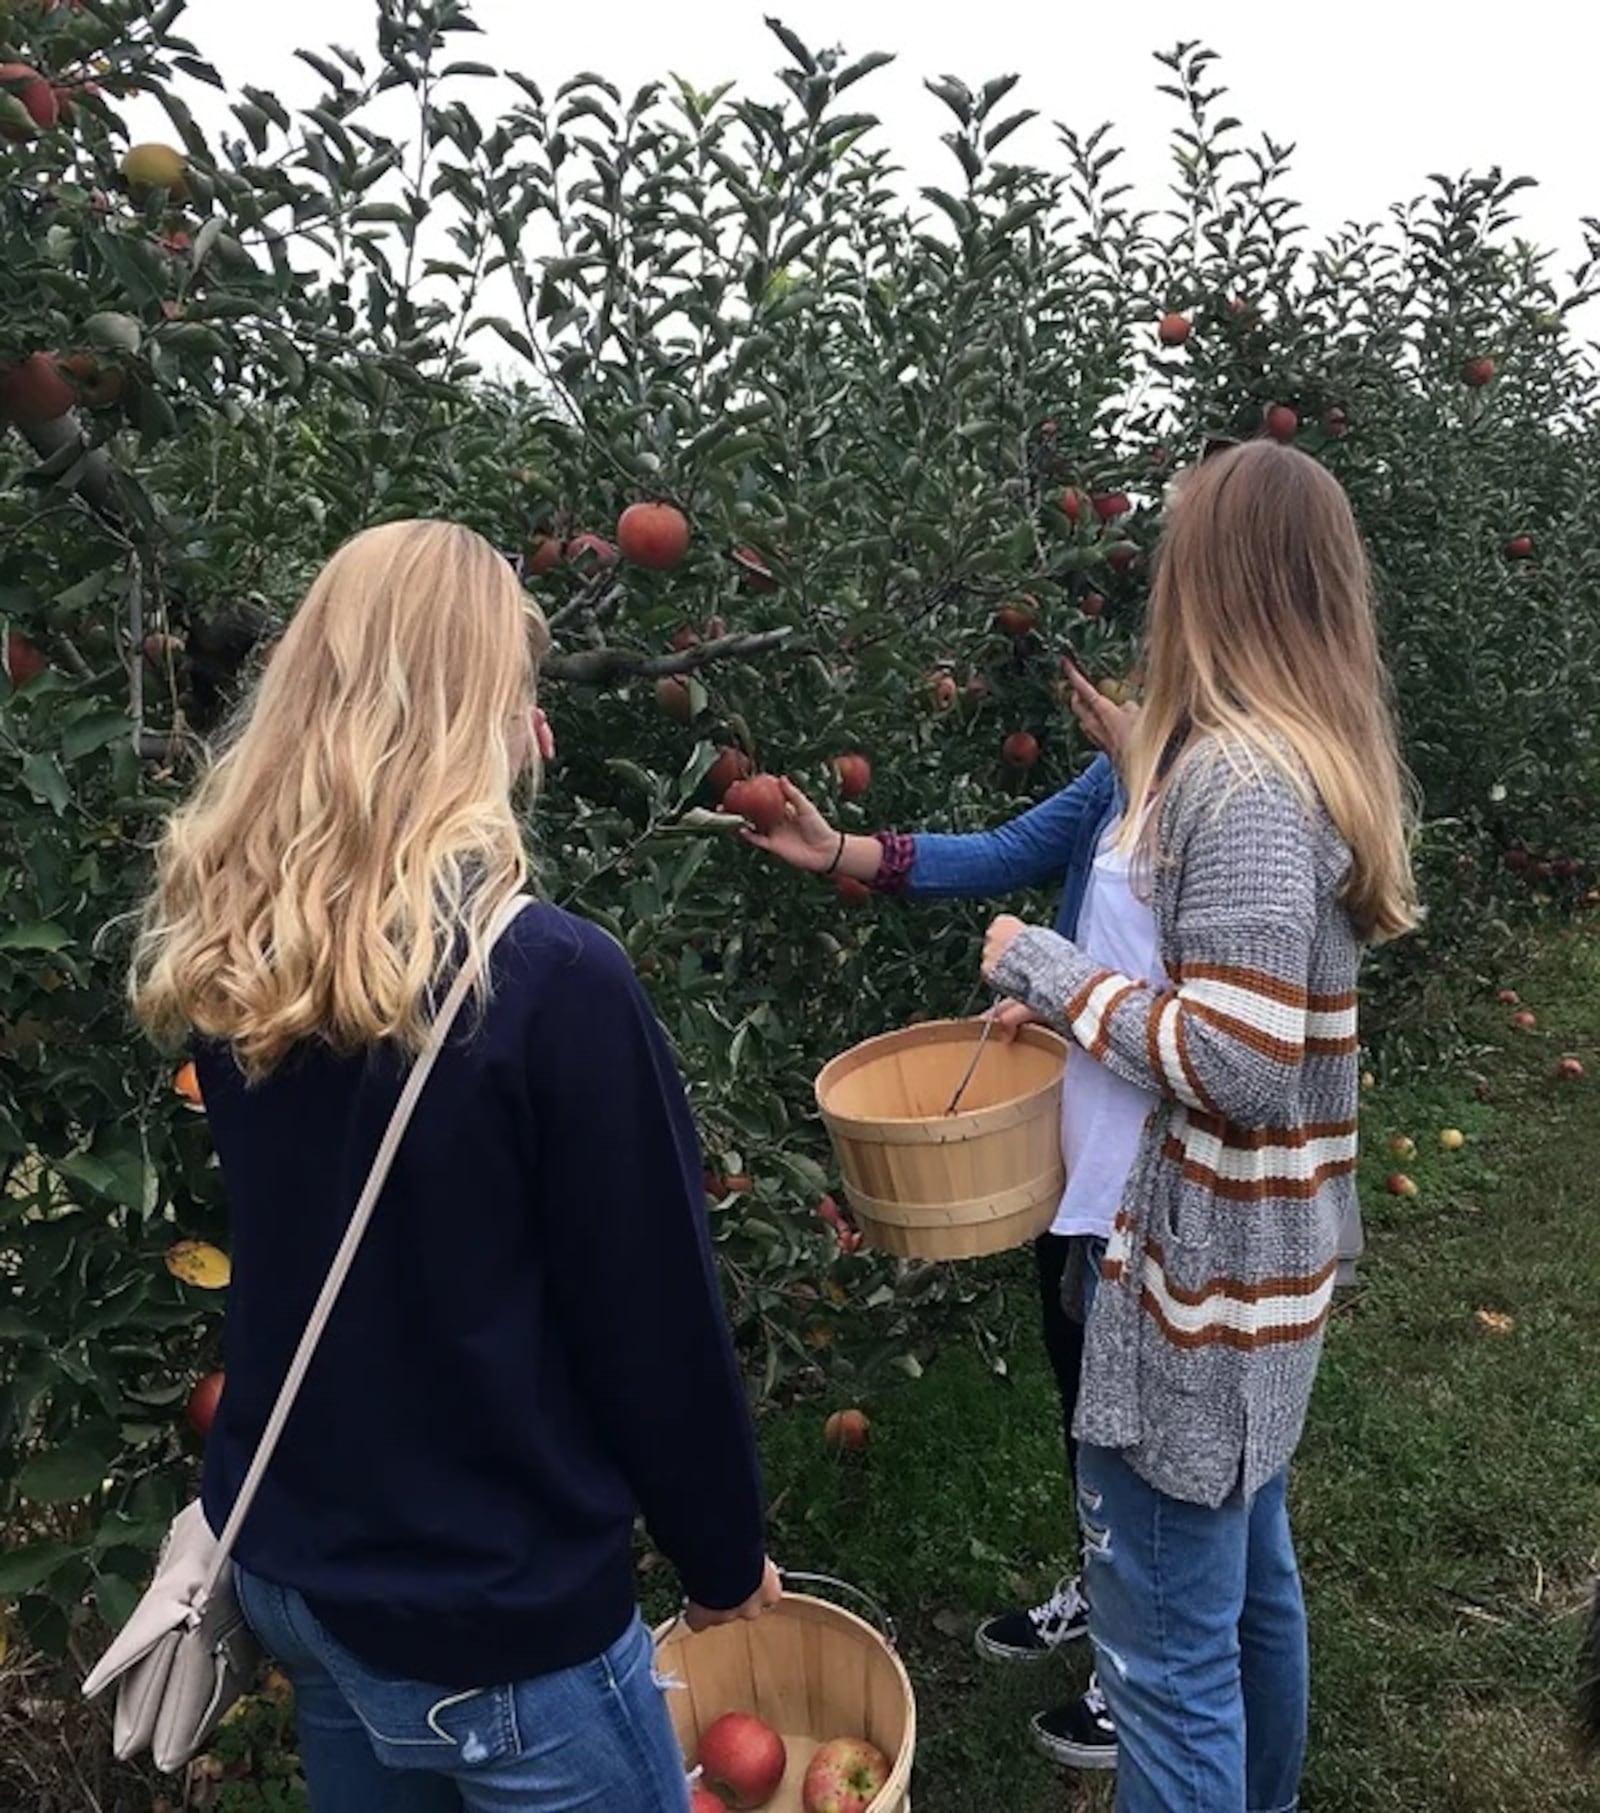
column 1447, row 1494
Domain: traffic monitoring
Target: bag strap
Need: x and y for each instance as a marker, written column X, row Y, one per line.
column 344, row 1258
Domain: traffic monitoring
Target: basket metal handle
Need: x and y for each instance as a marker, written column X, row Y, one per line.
column 886, row 1626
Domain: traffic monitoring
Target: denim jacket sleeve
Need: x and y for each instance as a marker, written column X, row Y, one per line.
column 1027, row 852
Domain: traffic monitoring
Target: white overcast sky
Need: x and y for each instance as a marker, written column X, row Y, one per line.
column 1374, row 95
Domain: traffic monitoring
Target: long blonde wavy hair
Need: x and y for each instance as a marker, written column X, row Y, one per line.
column 358, row 831
column 1262, row 632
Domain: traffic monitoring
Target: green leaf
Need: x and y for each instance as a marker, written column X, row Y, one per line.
column 73, row 1471
column 42, row 776
column 115, row 1599
column 41, row 935
column 93, row 733
column 24, row 1570
column 518, row 342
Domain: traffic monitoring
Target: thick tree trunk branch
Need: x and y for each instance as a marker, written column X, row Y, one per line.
column 599, row 666
column 97, row 483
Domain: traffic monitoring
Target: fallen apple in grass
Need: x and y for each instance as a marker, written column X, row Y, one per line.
column 1508, row 997
column 1525, row 1021
column 847, row 1430
column 742, row 1760
column 1402, row 1146
column 1400, row 1185
column 845, row 1776
column 1570, row 1070
column 1452, row 1139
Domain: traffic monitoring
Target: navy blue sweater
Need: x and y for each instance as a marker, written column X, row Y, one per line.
column 531, row 1344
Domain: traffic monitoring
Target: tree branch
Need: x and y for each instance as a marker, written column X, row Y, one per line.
column 98, row 483
column 598, row 666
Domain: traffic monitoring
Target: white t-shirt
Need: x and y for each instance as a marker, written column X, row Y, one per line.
column 1102, row 1115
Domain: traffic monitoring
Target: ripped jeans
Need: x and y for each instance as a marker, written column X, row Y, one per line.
column 595, row 1738
column 1199, row 1631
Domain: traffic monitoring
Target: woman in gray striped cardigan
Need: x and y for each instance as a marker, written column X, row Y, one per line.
column 1271, row 845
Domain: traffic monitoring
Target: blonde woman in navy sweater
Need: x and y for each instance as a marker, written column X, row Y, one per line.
column 531, row 1347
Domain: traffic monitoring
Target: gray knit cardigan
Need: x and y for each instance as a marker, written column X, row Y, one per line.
column 1218, row 1278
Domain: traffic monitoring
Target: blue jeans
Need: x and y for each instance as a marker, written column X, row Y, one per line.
column 1199, row 1629
column 593, row 1737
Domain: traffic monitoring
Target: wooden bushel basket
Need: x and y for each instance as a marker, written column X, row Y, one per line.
column 925, row 1184
column 812, row 1671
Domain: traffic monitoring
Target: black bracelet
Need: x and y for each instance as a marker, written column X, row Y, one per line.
column 837, row 855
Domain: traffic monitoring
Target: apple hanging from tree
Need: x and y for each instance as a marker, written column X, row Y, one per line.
column 742, row 1759
column 731, row 766
column 758, row 799
column 33, row 391
column 146, row 168
column 1109, row 505
column 37, row 98
column 1020, row 750
column 201, row 1409
column 1477, row 372
column 544, row 553
column 1018, row 619
column 1072, row 504
column 1174, row 329
column 674, row 698
column 653, row 535
column 854, row 774
column 24, row 663
column 845, row 1776
column 590, row 551
column 1282, row 422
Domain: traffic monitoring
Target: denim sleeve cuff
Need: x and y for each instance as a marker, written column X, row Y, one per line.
column 894, row 871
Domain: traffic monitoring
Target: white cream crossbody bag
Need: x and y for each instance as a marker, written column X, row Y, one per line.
column 186, row 1654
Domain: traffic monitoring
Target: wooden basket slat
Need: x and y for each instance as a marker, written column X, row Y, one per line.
column 924, row 1184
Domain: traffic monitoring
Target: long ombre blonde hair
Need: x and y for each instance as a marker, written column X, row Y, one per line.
column 358, row 832
column 1262, row 633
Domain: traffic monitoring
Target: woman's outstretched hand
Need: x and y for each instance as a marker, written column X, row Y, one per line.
column 805, row 839
column 1105, row 723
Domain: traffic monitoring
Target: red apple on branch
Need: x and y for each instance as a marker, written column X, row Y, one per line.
column 854, row 774
column 201, row 1410
column 758, row 799
column 653, row 535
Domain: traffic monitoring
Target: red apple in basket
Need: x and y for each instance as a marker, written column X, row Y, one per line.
column 742, row 1759
column 702, row 1800
column 846, row 1776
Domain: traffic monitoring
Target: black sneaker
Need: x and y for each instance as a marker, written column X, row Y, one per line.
column 1079, row 1735
column 1032, row 1634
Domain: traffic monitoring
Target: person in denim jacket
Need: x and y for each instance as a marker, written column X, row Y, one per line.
column 1053, row 843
